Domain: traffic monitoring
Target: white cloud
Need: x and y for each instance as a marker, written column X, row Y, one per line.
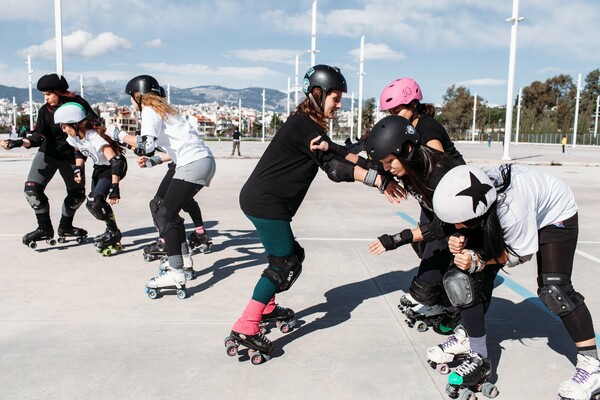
column 283, row 56
column 482, row 82
column 79, row 44
column 378, row 51
column 155, row 44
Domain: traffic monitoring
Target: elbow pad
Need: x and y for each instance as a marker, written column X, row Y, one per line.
column 118, row 166
column 435, row 230
column 339, row 171
column 145, row 146
column 335, row 148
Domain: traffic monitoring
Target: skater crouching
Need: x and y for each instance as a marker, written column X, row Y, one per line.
column 162, row 127
column 54, row 154
column 522, row 212
column 110, row 167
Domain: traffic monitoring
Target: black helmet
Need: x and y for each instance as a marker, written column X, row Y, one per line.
column 162, row 92
column 325, row 77
column 144, row 84
column 390, row 136
column 52, row 82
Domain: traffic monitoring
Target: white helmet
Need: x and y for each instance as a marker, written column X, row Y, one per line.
column 69, row 113
column 463, row 194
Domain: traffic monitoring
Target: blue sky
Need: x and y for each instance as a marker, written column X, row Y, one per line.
column 253, row 43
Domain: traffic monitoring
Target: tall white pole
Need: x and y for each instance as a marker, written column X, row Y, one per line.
column 288, row 96
column 313, row 37
column 81, row 85
column 58, row 36
column 352, row 117
column 240, row 114
column 514, row 20
column 296, row 84
column 29, row 72
column 596, row 122
column 518, row 116
column 169, row 93
column 14, row 113
column 360, row 86
column 263, row 115
column 576, row 111
column 474, row 117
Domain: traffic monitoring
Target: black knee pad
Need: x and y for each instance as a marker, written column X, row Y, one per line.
column 283, row 271
column 463, row 289
column 557, row 293
column 34, row 193
column 424, row 292
column 299, row 252
column 98, row 207
column 166, row 220
column 154, row 204
column 75, row 198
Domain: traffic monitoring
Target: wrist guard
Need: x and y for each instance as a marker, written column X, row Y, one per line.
column 77, row 171
column 152, row 161
column 113, row 192
column 391, row 242
column 370, row 177
column 12, row 143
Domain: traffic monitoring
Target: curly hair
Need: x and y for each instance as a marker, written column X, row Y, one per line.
column 308, row 108
column 157, row 103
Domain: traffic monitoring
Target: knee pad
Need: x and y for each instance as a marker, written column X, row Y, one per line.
column 424, row 292
column 283, row 271
column 461, row 287
column 166, row 220
column 75, row 198
column 154, row 204
column 98, row 207
column 34, row 193
column 299, row 251
column 557, row 293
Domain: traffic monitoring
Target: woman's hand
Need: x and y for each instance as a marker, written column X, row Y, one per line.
column 463, row 260
column 394, row 192
column 141, row 161
column 376, row 248
column 318, row 144
column 456, row 243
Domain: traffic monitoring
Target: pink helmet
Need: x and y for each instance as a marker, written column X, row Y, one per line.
column 399, row 91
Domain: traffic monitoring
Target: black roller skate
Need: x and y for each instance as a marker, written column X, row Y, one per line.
column 154, row 251
column 109, row 243
column 422, row 317
column 169, row 279
column 585, row 384
column 283, row 318
column 471, row 377
column 78, row 233
column 199, row 241
column 259, row 347
column 30, row 239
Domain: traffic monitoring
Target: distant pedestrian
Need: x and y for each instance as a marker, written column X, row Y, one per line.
column 236, row 142
column 563, row 142
column 489, row 140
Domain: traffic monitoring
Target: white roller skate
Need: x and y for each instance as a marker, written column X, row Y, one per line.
column 585, row 384
column 453, row 349
column 171, row 278
column 188, row 266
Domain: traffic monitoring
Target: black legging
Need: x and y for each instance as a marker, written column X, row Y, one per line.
column 177, row 195
column 191, row 207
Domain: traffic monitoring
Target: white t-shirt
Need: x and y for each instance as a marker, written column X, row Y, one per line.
column 533, row 200
column 176, row 136
column 90, row 146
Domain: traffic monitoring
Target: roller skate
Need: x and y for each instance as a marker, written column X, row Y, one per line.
column 154, row 251
column 585, row 384
column 259, row 347
column 30, row 239
column 78, row 233
column 421, row 317
column 171, row 278
column 188, row 266
column 109, row 243
column 199, row 241
column 455, row 348
column 406, row 302
column 283, row 318
column 471, row 377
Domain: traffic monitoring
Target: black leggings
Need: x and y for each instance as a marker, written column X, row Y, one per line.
column 191, row 207
column 177, row 195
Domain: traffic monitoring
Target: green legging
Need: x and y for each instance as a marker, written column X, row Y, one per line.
column 278, row 241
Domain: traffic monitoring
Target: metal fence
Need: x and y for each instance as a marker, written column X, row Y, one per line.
column 544, row 138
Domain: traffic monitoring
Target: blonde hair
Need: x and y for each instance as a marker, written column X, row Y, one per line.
column 157, row 103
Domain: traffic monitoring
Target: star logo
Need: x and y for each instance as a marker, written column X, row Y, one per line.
column 476, row 191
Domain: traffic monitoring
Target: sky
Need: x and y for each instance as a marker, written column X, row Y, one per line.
column 254, row 43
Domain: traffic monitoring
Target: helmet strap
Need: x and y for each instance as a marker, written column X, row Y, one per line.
column 314, row 102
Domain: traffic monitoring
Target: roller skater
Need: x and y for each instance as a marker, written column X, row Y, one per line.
column 170, row 278
column 109, row 243
column 79, row 234
column 453, row 349
column 471, row 377
column 199, row 241
column 155, row 250
column 30, row 239
column 282, row 317
column 259, row 347
column 585, row 384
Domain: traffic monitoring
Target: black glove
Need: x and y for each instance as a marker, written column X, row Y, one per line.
column 339, row 171
column 399, row 239
column 76, row 171
column 12, row 143
column 113, row 192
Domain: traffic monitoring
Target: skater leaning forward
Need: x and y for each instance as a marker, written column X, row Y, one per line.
column 110, row 167
column 522, row 212
column 54, row 154
column 275, row 190
column 163, row 129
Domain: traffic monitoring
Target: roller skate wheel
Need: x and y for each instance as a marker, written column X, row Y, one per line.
column 80, row 239
column 232, row 349
column 119, row 247
column 443, row 369
column 189, row 275
column 51, row 242
column 451, row 391
column 148, row 257
column 284, row 327
column 152, row 293
column 256, row 358
column 203, row 248
column 61, row 240
column 489, row 390
column 228, row 340
column 467, row 394
column 420, row 326
column 181, row 294
column 262, row 328
column 32, row 245
column 106, row 252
